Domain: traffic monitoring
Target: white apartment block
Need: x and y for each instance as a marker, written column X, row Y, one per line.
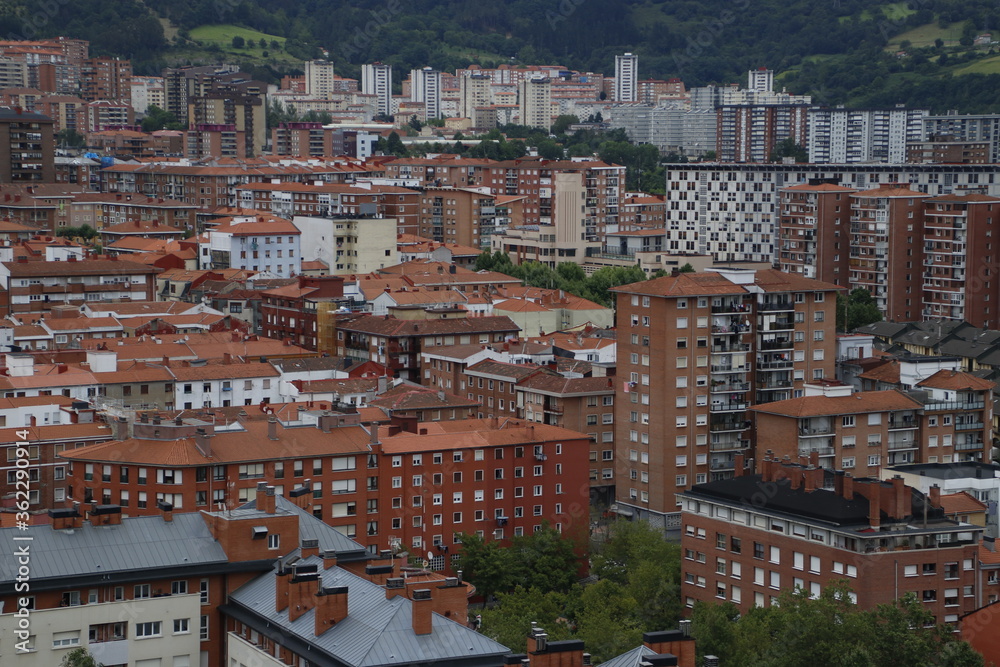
column 669, row 128
column 761, row 80
column 319, row 77
column 853, row 136
column 535, row 102
column 376, row 79
column 426, row 87
column 155, row 631
column 626, row 78
column 966, row 127
column 730, row 210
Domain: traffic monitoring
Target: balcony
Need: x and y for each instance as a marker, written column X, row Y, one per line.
column 968, row 446
column 729, row 406
column 776, row 344
column 782, row 365
column 736, row 347
column 945, row 405
column 735, row 387
column 776, row 306
column 905, row 422
column 807, row 431
column 905, row 443
column 822, row 451
column 969, row 426
column 727, row 368
column 734, row 307
column 723, row 425
column 721, row 465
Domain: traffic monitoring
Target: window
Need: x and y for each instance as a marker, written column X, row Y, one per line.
column 182, row 626
column 149, row 629
column 178, row 587
column 64, row 639
column 140, row 591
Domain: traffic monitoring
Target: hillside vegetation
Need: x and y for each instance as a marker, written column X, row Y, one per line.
column 843, row 52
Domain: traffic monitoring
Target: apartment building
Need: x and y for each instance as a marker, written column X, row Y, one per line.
column 967, row 128
column 626, row 78
column 426, row 87
column 101, row 210
column 804, row 527
column 732, row 212
column 700, row 348
column 376, row 79
column 534, row 98
column 269, row 246
column 456, row 215
column 296, row 311
column 37, row 286
column 854, row 136
column 398, row 343
column 106, row 79
column 813, row 229
column 751, row 132
column 28, row 147
column 498, row 478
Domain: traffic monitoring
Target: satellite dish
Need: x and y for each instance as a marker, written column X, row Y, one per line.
column 430, row 555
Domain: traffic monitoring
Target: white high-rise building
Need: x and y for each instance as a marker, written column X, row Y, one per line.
column 376, row 79
column 535, row 102
column 626, row 78
column 319, row 79
column 761, row 80
column 474, row 91
column 425, row 86
column 853, row 136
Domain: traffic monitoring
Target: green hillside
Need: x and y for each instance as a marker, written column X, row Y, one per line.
column 843, row 51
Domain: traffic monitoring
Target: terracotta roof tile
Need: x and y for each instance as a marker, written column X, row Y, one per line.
column 956, row 380
column 961, row 503
column 478, row 434
column 861, row 402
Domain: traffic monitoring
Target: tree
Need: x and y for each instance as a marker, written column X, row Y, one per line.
column 857, row 309
column 550, row 150
column 509, row 621
column 79, row 657
column 71, row 138
column 563, row 122
column 788, row 148
column 159, row 119
column 416, row 124
column 830, row 629
column 238, row 42
column 487, row 565
column 687, row 268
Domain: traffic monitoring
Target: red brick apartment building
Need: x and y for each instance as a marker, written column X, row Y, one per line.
column 694, row 351
column 398, row 343
column 292, row 311
column 430, row 485
column 748, row 538
column 921, row 257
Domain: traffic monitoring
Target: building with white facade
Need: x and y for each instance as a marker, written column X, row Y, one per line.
column 319, row 77
column 426, row 87
column 669, row 128
column 966, row 128
column 270, row 246
column 626, row 78
column 851, row 136
column 760, row 80
column 535, row 102
column 376, row 79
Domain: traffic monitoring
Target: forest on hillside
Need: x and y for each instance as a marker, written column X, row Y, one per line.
column 835, row 50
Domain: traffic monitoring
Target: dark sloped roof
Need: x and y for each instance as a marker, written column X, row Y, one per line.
column 376, row 631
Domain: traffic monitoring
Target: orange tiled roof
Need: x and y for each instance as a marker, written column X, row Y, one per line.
column 957, row 381
column 961, row 503
column 861, row 402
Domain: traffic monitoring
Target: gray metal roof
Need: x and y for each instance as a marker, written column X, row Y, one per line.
column 137, row 544
column 376, row 631
column 310, row 528
column 631, row 658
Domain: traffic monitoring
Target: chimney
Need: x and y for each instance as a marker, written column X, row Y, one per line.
column 329, row 559
column 875, row 505
column 394, row 586
column 227, row 358
column 900, row 509
column 373, row 430
column 281, row 588
column 814, row 458
column 934, row 496
column 302, row 589
column 795, row 478
column 167, row 509
column 421, row 611
column 331, row 607
column 105, row 515
column 67, row 518
column 848, row 492
column 202, row 441
column 738, row 465
column 309, row 548
column 272, row 428
column 300, row 496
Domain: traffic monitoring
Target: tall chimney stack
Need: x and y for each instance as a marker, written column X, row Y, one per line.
column 422, row 607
